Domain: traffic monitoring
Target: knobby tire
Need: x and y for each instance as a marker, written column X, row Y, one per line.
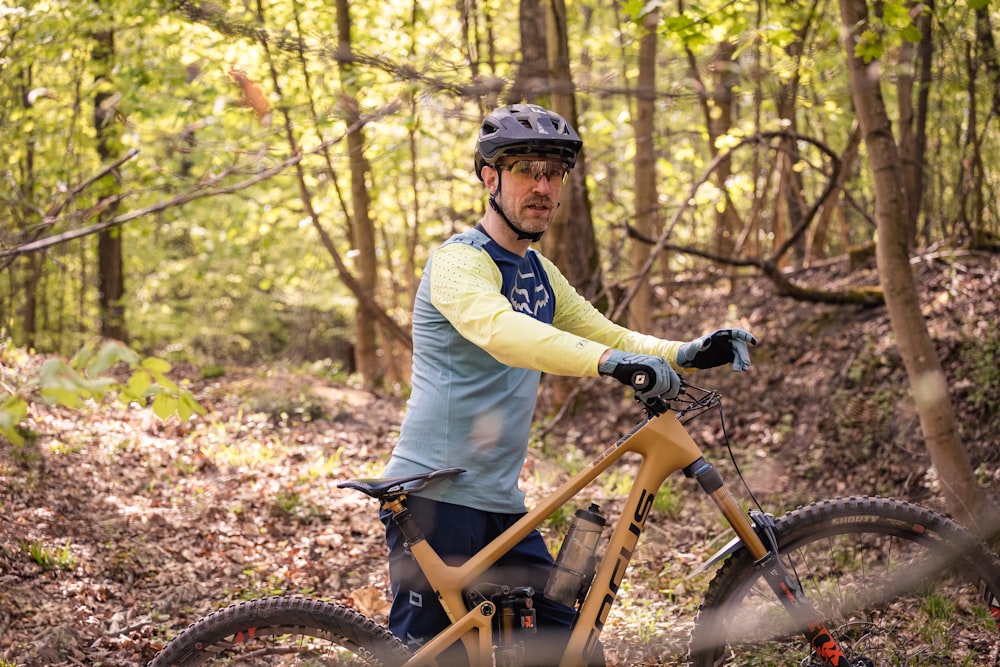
column 285, row 630
column 896, row 584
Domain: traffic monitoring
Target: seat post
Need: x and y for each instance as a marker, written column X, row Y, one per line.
column 401, row 517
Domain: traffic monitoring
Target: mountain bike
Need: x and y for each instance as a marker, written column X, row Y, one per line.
column 851, row 582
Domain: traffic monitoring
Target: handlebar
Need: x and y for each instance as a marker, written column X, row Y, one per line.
column 689, row 399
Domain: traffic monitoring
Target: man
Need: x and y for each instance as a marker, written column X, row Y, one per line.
column 491, row 315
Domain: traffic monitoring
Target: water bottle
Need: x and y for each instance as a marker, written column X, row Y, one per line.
column 574, row 568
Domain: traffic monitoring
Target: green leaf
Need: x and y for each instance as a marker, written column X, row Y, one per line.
column 60, row 383
column 870, row 46
column 156, row 365
column 65, row 397
column 190, row 404
column 110, row 354
column 137, row 388
column 778, row 36
column 165, row 383
column 82, row 357
column 12, row 410
column 896, row 14
column 164, row 405
column 912, row 34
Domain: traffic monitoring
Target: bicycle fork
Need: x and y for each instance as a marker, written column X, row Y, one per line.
column 774, row 572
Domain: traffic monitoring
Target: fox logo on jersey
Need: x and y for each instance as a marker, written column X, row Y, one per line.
column 528, row 295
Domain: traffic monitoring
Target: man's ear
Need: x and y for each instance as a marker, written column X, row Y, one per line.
column 490, row 178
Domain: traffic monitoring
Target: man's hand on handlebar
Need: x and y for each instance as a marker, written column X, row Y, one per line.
column 716, row 349
column 651, row 377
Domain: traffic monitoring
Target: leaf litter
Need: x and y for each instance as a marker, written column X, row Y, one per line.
column 149, row 525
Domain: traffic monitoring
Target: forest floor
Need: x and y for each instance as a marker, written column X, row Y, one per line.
column 118, row 529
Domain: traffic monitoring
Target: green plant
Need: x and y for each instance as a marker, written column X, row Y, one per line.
column 25, row 453
column 938, row 607
column 240, row 454
column 983, row 372
column 63, row 448
column 556, row 528
column 669, row 500
column 212, row 371
column 48, row 558
column 287, row 502
column 85, row 378
column 617, row 482
column 292, row 505
column 257, row 586
column 325, row 466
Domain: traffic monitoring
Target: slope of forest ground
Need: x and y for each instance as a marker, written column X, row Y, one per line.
column 117, row 529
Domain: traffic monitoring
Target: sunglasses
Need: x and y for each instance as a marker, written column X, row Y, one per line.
column 537, row 169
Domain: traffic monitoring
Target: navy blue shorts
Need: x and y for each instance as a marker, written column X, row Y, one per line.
column 457, row 533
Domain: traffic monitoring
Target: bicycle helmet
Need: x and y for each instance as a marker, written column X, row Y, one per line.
column 525, row 130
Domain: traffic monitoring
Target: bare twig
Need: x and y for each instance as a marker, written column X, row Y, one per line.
column 769, row 265
column 56, row 209
column 184, row 198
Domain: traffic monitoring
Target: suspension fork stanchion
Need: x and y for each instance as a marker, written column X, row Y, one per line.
column 766, row 560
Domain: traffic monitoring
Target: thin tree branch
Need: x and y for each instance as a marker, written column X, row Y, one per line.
column 768, row 266
column 365, row 299
column 206, row 191
column 57, row 208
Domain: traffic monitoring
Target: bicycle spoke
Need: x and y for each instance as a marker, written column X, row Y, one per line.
column 890, row 597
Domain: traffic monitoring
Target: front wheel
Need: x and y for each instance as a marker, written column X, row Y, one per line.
column 896, row 584
column 286, row 630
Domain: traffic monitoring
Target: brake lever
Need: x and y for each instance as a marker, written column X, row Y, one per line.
column 654, row 407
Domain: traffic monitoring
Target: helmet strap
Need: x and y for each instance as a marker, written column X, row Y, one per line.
column 521, row 234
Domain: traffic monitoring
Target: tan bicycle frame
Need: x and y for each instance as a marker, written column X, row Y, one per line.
column 665, row 447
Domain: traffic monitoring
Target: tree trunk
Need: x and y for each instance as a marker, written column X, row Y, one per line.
column 24, row 215
column 983, row 235
column 111, row 269
column 647, row 219
column 717, row 105
column 724, row 81
column 573, row 246
column 532, row 81
column 789, row 177
column 816, row 247
column 966, row 500
column 362, row 231
column 914, row 74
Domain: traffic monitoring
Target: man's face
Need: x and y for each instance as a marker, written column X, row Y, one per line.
column 530, row 192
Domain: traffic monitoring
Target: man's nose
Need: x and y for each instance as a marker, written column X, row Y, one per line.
column 542, row 185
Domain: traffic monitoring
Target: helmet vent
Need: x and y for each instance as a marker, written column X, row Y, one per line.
column 525, row 130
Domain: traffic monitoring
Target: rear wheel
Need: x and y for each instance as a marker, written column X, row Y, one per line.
column 287, row 630
column 896, row 584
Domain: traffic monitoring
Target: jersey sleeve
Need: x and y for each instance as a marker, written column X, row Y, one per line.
column 466, row 290
column 578, row 315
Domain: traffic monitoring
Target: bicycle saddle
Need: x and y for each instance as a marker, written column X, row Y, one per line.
column 376, row 487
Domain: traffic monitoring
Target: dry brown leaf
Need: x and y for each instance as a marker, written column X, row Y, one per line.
column 370, row 601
